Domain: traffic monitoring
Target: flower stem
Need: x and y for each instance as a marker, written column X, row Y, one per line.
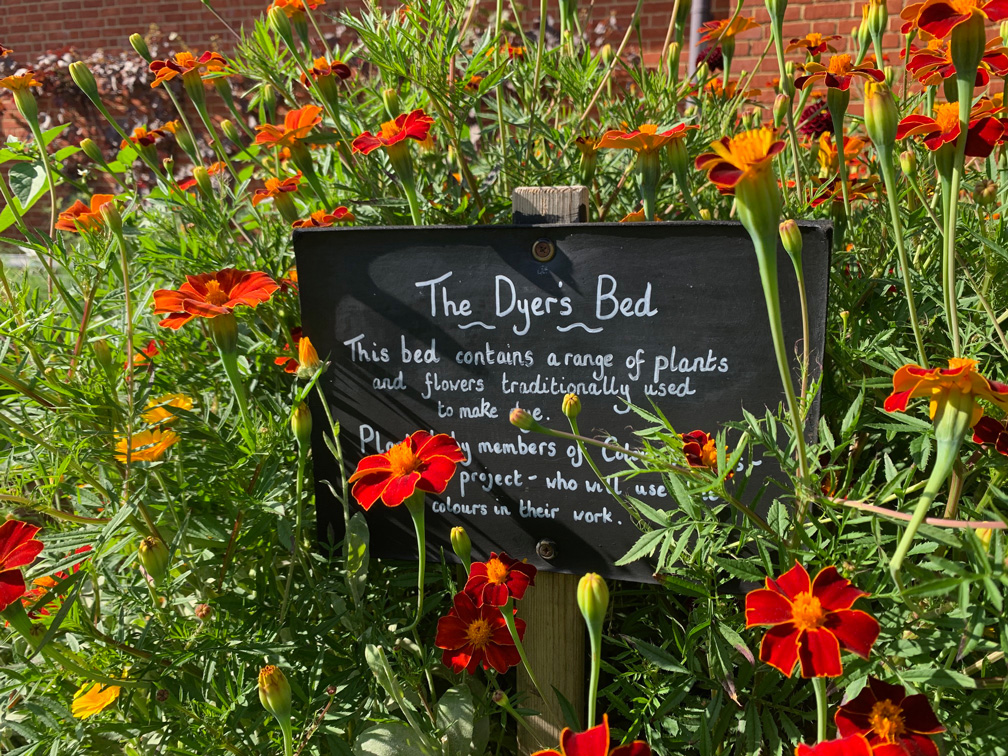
column 595, row 640
column 508, row 611
column 822, row 707
column 838, row 120
column 958, row 166
column 230, row 362
column 415, row 506
column 296, row 545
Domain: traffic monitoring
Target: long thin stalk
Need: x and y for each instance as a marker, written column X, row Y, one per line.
column 295, row 551
column 508, row 612
column 958, row 167
column 415, row 506
column 822, row 707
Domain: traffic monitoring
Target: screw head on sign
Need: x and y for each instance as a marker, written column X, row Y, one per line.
column 546, row 549
column 543, row 250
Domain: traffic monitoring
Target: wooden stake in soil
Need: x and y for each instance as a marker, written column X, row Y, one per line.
column 555, row 634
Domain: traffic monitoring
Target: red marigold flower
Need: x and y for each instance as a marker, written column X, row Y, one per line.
column 700, row 449
column 984, row 130
column 513, row 51
column 894, row 723
column 855, row 745
column 644, row 139
column 473, row 636
column 185, row 63
column 209, row 295
column 290, row 364
column 17, row 82
column 933, row 64
column 325, row 218
column 594, row 741
column 937, row 383
column 415, row 125
column 726, row 28
column 812, row 43
column 939, row 17
column 815, row 119
column 142, row 357
column 212, row 170
column 141, row 137
column 18, row 548
column 296, row 126
column 991, row 432
column 810, row 621
column 473, row 85
column 420, row 462
column 738, row 157
column 838, row 73
column 499, row 579
column 832, row 190
column 81, row 217
column 276, row 187
column 322, row 67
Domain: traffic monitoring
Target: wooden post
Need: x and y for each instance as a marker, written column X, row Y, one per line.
column 555, row 634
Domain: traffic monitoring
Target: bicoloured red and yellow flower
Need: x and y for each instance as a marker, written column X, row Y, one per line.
column 145, row 355
column 700, row 449
column 810, row 622
column 499, row 579
column 831, row 190
column 939, row 17
column 747, row 155
column 985, row 130
column 325, row 218
column 19, row 82
column 141, row 137
column 414, row 125
column 993, row 433
column 474, row 636
column 81, row 217
column 44, row 585
column 933, row 64
column 595, row 741
column 894, row 723
column 839, row 73
column 276, row 187
column 716, row 32
column 290, row 364
column 936, row 384
column 720, row 90
column 186, row 64
column 814, row 44
column 321, row 68
column 209, row 295
column 296, row 126
column 421, row 462
column 855, row 745
column 292, row 8
column 646, row 139
column 18, row 548
column 148, row 445
column 829, row 157
column 212, row 170
column 5, row 51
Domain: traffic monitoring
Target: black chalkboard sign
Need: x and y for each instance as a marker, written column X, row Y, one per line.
column 448, row 328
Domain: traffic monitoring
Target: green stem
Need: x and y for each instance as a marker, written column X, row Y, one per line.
column 595, row 640
column 799, row 270
column 288, row 737
column 822, row 707
column 415, row 506
column 838, row 120
column 508, row 611
column 334, row 427
column 230, row 362
column 958, row 167
column 298, row 495
column 414, row 204
column 44, row 154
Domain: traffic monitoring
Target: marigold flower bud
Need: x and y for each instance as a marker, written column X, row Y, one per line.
column 301, row 424
column 103, row 353
column 908, row 162
column 791, row 237
column 571, row 405
column 522, row 419
column 308, row 360
column 84, row 79
column 705, row 213
column 780, row 108
column 139, row 44
column 605, row 53
column 390, row 98
column 203, row 612
column 593, row 600
column 203, row 183
column 787, row 85
column 844, row 319
column 985, row 193
column 500, row 698
column 462, row 546
column 230, row 131
column 154, row 557
column 674, row 51
column 881, row 115
column 984, row 536
column 1003, row 30
column 89, row 148
column 111, row 216
column 185, row 141
column 878, row 17
column 275, row 692
column 280, row 25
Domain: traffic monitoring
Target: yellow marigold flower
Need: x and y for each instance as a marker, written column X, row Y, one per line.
column 148, row 445
column 90, row 701
column 159, row 410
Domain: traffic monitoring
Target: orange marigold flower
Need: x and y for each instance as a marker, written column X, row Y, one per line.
column 832, row 190
column 21, row 81
column 714, row 32
column 637, row 216
column 829, row 157
column 5, row 51
column 738, row 157
column 513, row 51
column 415, row 125
column 141, row 137
column 209, row 295
column 276, row 187
column 81, row 217
column 213, row 169
column 322, row 67
column 290, row 364
column 813, row 43
column 939, row 17
column 717, row 88
column 292, row 8
column 700, row 449
column 325, row 218
column 144, row 356
column 644, row 139
column 296, row 126
column 159, row 410
column 148, row 445
column 938, row 383
column 984, row 132
column 91, row 699
column 185, row 63
column 838, row 73
column 473, row 85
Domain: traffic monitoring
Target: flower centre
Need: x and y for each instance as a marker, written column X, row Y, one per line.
column 215, row 295
column 886, row 719
column 709, row 454
column 402, row 460
column 479, row 633
column 806, row 612
column 840, row 64
column 947, row 116
column 814, row 39
column 389, row 129
column 750, row 148
column 496, row 571
column 963, row 7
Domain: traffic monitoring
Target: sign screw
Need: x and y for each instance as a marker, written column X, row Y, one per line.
column 546, row 549
column 543, row 250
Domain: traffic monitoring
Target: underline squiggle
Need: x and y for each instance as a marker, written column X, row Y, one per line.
column 476, row 323
column 564, row 329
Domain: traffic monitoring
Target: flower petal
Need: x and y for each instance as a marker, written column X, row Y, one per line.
column 793, row 582
column 592, row 742
column 919, row 716
column 856, row 630
column 835, row 591
column 819, row 654
column 779, row 648
column 766, row 607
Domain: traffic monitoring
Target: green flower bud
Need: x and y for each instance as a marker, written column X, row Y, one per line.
column 1003, row 30
column 881, row 115
column 985, row 193
column 275, row 692
column 781, row 105
column 154, row 557
column 110, row 213
column 966, row 46
column 878, row 17
column 593, row 600
column 89, row 148
column 301, row 424
column 280, row 25
column 462, row 546
column 791, row 238
column 140, row 45
column 908, row 162
column 787, row 83
column 390, row 98
column 522, row 419
column 230, row 131
column 84, row 79
column 203, row 183
column 605, row 54
column 572, row 405
column 103, row 353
